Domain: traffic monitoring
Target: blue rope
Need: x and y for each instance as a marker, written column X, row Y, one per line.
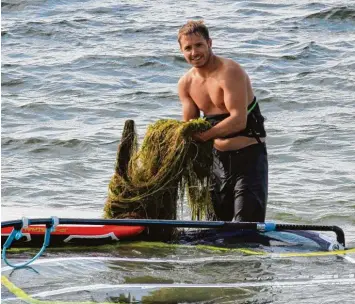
column 17, row 234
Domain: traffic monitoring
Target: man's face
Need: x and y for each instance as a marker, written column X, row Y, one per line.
column 196, row 49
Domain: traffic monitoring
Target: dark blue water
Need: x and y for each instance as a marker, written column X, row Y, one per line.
column 74, row 71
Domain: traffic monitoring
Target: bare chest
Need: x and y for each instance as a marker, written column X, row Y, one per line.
column 207, row 95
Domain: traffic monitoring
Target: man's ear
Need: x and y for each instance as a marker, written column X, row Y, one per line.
column 209, row 42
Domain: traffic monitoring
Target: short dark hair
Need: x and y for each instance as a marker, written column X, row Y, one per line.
column 194, row 27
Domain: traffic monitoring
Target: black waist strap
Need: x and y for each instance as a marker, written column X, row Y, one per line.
column 216, row 118
column 255, row 122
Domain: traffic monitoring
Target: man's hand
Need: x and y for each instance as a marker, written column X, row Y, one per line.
column 200, row 137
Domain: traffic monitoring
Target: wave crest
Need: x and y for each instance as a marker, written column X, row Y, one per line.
column 335, row 13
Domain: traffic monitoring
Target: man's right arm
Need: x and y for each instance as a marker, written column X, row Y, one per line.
column 189, row 108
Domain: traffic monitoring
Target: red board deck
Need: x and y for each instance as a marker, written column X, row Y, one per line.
column 90, row 234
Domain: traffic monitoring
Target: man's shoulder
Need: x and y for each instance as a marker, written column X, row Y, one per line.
column 232, row 65
column 232, row 68
column 186, row 77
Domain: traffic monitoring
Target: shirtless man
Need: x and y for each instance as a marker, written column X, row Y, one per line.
column 221, row 89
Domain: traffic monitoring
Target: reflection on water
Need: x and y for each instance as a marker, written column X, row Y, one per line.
column 180, row 275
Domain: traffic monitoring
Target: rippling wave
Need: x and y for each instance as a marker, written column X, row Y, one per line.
column 71, row 143
column 336, row 13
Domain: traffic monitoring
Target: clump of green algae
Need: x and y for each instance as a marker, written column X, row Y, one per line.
column 149, row 181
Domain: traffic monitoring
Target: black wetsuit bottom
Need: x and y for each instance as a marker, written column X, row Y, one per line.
column 239, row 186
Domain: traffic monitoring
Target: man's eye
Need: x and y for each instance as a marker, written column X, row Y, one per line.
column 188, row 48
